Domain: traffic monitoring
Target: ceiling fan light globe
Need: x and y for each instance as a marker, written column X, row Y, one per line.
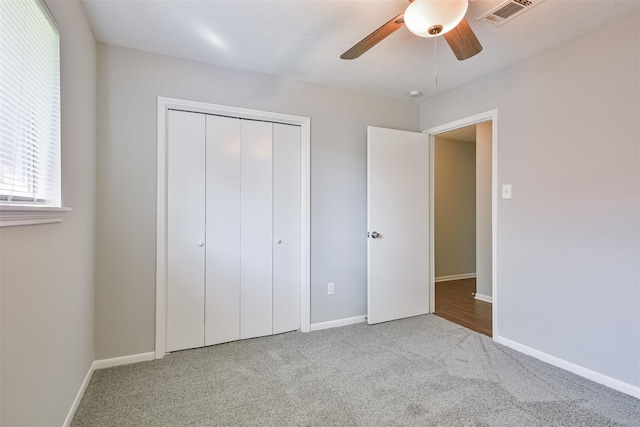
column 422, row 16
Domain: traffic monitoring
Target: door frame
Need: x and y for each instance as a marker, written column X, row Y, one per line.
column 432, row 132
column 164, row 105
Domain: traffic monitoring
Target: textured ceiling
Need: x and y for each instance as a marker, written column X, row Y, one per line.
column 303, row 39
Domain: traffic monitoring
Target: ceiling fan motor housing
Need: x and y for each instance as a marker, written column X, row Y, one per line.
column 430, row 18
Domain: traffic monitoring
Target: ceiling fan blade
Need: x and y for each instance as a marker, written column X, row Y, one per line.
column 462, row 41
column 374, row 38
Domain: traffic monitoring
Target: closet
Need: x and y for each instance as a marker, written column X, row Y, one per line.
column 233, row 229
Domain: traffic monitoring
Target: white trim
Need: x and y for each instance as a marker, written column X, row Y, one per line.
column 165, row 104
column 79, row 396
column 102, row 364
column 13, row 215
column 485, row 298
column 613, row 383
column 305, row 185
column 161, row 233
column 50, row 17
column 123, row 360
column 432, row 227
column 475, row 119
column 337, row 323
column 494, row 223
column 455, row 277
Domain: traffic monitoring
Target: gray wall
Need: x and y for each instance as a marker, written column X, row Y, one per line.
column 454, row 207
column 483, row 209
column 47, row 275
column 568, row 241
column 129, row 82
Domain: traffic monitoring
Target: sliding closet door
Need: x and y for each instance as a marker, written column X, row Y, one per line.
column 222, row 314
column 256, row 230
column 286, row 228
column 185, row 230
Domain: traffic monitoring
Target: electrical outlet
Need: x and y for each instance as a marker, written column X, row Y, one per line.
column 331, row 289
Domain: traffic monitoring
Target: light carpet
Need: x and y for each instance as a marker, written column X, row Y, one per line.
column 421, row 371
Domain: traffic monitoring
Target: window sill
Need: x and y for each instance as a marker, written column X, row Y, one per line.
column 13, row 215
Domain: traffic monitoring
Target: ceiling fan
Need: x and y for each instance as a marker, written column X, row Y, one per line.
column 428, row 18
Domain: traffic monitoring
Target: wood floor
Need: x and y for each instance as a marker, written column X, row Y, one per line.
column 456, row 303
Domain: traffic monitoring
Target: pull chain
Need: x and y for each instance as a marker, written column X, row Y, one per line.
column 435, row 68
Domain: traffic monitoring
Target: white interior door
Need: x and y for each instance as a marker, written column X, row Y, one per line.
column 398, row 224
column 234, row 213
column 185, row 230
column 256, row 235
column 222, row 314
column 287, row 217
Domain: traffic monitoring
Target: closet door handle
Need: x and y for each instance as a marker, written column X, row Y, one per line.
column 201, row 244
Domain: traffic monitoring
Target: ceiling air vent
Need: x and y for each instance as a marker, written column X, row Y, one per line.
column 508, row 10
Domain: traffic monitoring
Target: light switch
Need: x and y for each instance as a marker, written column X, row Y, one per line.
column 506, row 191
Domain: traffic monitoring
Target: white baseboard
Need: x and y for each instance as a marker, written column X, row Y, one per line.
column 455, row 277
column 102, row 364
column 76, row 401
column 485, row 298
column 124, row 360
column 613, row 383
column 338, row 323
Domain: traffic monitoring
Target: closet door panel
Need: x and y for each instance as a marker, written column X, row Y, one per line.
column 185, row 230
column 256, row 230
column 286, row 228
column 222, row 314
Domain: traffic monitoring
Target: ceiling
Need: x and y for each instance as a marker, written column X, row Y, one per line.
column 303, row 39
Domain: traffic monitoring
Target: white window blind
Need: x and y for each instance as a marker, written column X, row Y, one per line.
column 29, row 105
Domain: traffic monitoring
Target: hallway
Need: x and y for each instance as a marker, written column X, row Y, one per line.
column 455, row 302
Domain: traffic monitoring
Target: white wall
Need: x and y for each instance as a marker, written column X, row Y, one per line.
column 454, row 207
column 129, row 83
column 568, row 241
column 483, row 209
column 46, row 274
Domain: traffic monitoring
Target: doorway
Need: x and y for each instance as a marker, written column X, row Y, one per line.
column 463, row 217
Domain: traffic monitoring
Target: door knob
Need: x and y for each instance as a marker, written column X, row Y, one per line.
column 278, row 241
column 201, row 244
column 375, row 235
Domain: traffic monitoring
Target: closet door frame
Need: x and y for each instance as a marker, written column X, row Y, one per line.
column 164, row 105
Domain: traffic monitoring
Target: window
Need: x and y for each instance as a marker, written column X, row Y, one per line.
column 29, row 112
